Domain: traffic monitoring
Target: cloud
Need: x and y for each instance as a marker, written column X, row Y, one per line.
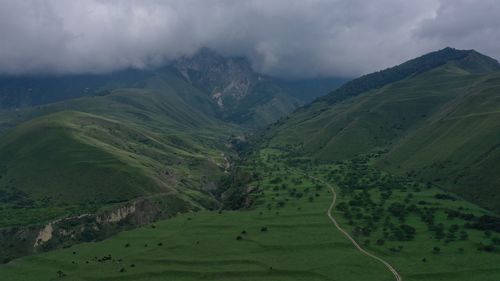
column 464, row 24
column 289, row 38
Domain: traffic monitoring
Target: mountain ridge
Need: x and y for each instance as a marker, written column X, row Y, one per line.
column 409, row 68
column 414, row 123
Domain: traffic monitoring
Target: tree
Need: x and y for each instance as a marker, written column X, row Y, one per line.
column 436, row 250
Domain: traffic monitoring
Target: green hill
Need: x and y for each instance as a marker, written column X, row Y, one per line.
column 112, row 148
column 120, row 158
column 69, row 157
column 436, row 117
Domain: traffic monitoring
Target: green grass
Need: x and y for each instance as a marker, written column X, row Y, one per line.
column 458, row 259
column 300, row 242
column 51, row 157
column 79, row 155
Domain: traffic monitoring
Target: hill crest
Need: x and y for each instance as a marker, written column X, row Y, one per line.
column 469, row 60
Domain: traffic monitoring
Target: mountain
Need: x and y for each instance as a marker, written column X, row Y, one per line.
column 435, row 118
column 26, row 91
column 244, row 96
column 472, row 61
column 236, row 92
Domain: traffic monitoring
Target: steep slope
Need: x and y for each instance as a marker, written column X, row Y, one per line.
column 443, row 117
column 127, row 144
column 245, row 96
column 107, row 162
column 470, row 60
column 459, row 147
column 67, row 157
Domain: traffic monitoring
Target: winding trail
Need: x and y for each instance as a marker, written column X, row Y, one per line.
column 397, row 276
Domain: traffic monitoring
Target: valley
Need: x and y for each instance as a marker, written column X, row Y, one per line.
column 287, row 235
column 207, row 170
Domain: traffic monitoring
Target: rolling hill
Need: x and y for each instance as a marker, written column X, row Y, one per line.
column 120, row 159
column 434, row 118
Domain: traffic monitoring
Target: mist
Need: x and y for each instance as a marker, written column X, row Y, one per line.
column 285, row 38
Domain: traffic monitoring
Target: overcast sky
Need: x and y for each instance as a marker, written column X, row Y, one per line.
column 289, row 38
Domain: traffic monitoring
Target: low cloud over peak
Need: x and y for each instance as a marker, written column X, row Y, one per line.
column 289, row 38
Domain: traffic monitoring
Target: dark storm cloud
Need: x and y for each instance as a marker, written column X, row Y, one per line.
column 281, row 37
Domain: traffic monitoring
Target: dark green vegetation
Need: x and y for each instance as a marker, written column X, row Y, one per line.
column 439, row 126
column 287, row 236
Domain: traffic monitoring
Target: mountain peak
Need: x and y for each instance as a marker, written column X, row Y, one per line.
column 477, row 63
column 468, row 60
column 218, row 75
column 471, row 61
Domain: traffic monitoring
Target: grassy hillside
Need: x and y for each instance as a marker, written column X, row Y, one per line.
column 79, row 155
column 87, row 168
column 79, row 162
column 61, row 157
column 469, row 60
column 458, row 148
column 438, row 126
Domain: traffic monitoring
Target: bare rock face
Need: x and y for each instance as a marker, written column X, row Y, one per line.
column 64, row 232
column 118, row 214
column 44, row 235
column 222, row 78
column 239, row 94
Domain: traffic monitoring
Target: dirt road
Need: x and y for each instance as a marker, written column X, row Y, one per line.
column 397, row 276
